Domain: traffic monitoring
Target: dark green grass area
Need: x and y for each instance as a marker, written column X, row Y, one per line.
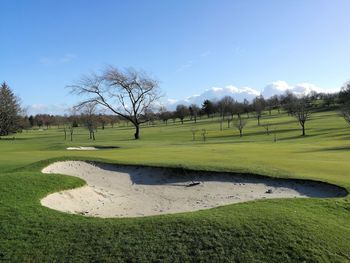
column 286, row 230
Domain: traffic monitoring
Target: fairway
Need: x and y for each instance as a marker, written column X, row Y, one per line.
column 285, row 230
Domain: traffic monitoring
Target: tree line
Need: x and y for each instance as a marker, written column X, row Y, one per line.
column 132, row 95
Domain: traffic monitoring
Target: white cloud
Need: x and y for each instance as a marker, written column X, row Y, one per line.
column 275, row 88
column 280, row 87
column 216, row 93
column 185, row 66
column 47, row 109
column 66, row 58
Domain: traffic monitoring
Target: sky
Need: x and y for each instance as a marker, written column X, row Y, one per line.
column 193, row 47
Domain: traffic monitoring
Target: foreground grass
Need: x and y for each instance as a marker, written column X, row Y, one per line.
column 312, row 230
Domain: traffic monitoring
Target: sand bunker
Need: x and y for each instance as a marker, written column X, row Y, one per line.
column 126, row 191
column 81, row 148
column 90, row 148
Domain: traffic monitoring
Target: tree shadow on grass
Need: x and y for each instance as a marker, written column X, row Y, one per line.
column 339, row 148
column 13, row 139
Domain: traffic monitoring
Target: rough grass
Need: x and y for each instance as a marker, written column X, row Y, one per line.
column 294, row 230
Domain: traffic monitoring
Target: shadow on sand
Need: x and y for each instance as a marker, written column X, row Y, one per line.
column 142, row 175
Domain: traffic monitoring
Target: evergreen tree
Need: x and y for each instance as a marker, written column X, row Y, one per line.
column 208, row 107
column 344, row 94
column 9, row 110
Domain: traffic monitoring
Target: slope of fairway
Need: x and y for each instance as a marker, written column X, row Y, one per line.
column 281, row 230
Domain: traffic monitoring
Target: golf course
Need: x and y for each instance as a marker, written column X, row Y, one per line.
column 186, row 131
column 275, row 230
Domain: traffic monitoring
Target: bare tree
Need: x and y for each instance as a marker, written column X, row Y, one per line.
column 301, row 111
column 193, row 131
column 128, row 94
column 164, row 115
column 89, row 117
column 181, row 112
column 346, row 113
column 194, row 111
column 259, row 106
column 267, row 128
column 240, row 125
column 204, row 134
column 71, row 124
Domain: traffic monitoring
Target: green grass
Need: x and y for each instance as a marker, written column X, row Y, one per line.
column 293, row 230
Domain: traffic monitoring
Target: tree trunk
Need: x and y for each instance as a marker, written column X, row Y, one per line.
column 303, row 128
column 137, row 131
column 240, row 133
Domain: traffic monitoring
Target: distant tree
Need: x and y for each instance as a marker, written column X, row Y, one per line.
column 38, row 120
column 113, row 120
column 128, row 94
column 89, row 117
column 344, row 94
column 288, row 102
column 329, row 99
column 246, row 107
column 150, row 116
column 10, row 110
column 204, row 134
column 226, row 106
column 238, row 108
column 174, row 116
column 23, row 123
column 72, row 123
column 272, row 103
column 164, row 115
column 103, row 120
column 181, row 112
column 240, row 124
column 194, row 111
column 346, row 113
column 259, row 106
column 194, row 131
column 31, row 120
column 60, row 121
column 48, row 120
column 267, row 128
column 208, row 107
column 301, row 111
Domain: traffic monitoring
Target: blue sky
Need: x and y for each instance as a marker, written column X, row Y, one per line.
column 190, row 46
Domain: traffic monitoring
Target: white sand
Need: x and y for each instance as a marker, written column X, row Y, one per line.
column 122, row 191
column 81, row 148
